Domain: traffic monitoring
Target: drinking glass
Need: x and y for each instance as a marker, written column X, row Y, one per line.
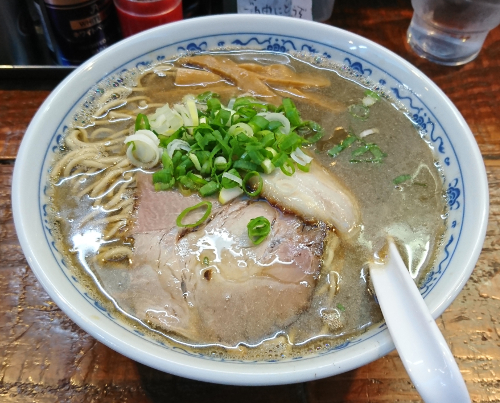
column 451, row 32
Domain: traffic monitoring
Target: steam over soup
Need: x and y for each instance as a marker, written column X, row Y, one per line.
column 230, row 202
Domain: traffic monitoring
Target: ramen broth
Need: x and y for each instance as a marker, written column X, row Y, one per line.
column 91, row 219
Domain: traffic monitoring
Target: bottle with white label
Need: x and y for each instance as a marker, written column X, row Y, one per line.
column 78, row 29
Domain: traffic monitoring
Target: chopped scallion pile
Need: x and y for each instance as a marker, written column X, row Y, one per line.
column 208, row 147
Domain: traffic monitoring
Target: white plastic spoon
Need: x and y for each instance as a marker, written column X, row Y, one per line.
column 420, row 344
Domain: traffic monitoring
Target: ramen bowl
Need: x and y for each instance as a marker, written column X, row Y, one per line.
column 446, row 130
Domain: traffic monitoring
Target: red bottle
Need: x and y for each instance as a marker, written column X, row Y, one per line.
column 138, row 15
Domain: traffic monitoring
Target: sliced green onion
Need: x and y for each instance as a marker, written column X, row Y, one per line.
column 165, row 177
column 213, row 104
column 167, row 162
column 372, row 94
column 268, row 139
column 275, row 124
column 177, row 145
column 304, row 168
column 222, row 118
column 231, row 179
column 288, row 167
column 273, row 152
column 220, row 163
column 377, row 153
column 238, row 128
column 267, row 166
column 341, row 307
column 209, row 189
column 276, row 121
column 291, row 112
column 360, row 150
column 245, row 165
column 256, row 157
column 142, row 122
column 195, row 160
column 258, row 229
column 206, row 96
column 197, row 179
column 367, row 132
column 162, row 186
column 342, row 146
column 311, row 131
column 249, row 176
column 289, row 142
column 401, row 179
column 258, row 123
column 227, row 195
column 187, row 182
column 193, row 208
column 279, row 159
column 300, row 157
column 359, row 111
column 193, row 112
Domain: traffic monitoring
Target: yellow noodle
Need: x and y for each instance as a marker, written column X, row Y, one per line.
column 91, row 154
column 83, row 159
column 110, row 99
column 99, row 210
column 114, row 218
column 116, row 252
column 73, row 142
column 101, row 183
column 120, row 115
column 56, row 170
column 102, row 130
column 119, row 195
column 114, row 229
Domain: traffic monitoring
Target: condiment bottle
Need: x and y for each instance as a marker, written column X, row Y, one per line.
column 78, row 29
column 138, row 15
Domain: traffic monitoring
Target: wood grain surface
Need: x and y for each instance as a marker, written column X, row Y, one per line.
column 45, row 357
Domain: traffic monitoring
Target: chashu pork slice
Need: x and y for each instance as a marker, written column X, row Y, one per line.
column 316, row 195
column 211, row 284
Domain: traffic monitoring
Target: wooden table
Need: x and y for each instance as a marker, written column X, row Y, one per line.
column 44, row 357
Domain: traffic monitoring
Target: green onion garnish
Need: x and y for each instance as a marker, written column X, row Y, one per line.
column 291, row 112
column 288, row 168
column 209, row 189
column 341, row 307
column 377, row 156
column 343, row 145
column 241, row 140
column 192, row 208
column 401, row 179
column 359, row 111
column 372, row 94
column 142, row 122
column 247, row 177
column 258, row 229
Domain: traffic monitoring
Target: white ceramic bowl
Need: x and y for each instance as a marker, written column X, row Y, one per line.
column 432, row 110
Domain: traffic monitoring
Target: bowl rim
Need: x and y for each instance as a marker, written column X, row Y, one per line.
column 231, row 372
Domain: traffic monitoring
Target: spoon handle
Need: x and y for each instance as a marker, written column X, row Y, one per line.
column 421, row 346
